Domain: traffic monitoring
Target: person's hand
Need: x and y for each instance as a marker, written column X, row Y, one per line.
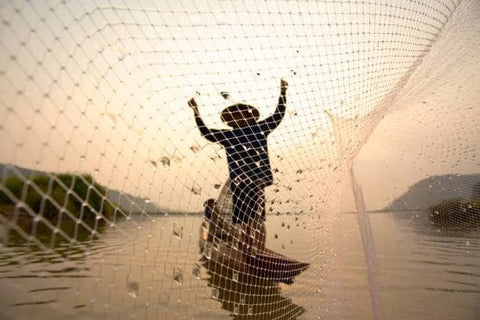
column 193, row 105
column 283, row 86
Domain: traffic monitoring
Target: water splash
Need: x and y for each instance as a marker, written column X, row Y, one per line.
column 132, row 288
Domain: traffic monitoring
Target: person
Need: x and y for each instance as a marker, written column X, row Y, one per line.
column 217, row 229
column 247, row 155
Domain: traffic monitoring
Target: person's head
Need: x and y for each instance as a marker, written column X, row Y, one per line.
column 240, row 115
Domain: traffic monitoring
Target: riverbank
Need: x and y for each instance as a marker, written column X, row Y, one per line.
column 61, row 206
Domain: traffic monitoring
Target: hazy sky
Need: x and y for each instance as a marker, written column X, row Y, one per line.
column 101, row 87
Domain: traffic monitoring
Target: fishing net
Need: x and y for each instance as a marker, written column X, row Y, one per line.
column 374, row 210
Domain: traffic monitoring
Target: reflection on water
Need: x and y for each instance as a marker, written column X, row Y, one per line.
column 427, row 271
column 142, row 269
column 248, row 297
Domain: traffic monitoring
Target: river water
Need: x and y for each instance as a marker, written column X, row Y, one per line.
column 149, row 268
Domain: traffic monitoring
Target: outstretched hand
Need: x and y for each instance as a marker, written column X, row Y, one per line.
column 193, row 105
column 283, row 86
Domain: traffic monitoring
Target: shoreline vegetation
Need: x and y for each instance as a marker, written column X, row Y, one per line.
column 49, row 207
column 459, row 212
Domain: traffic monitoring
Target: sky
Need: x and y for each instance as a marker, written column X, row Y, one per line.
column 101, row 87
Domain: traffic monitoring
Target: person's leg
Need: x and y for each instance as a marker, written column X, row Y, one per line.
column 254, row 208
column 238, row 214
column 245, row 206
column 261, row 221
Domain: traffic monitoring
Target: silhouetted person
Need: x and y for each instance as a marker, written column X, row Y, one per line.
column 247, row 154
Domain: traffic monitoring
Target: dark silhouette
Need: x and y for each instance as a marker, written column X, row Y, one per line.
column 247, row 154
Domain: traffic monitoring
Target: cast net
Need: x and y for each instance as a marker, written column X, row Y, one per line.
column 104, row 173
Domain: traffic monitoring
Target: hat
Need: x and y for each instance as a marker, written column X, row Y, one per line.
column 231, row 113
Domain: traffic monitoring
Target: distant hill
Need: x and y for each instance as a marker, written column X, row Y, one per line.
column 435, row 189
column 130, row 203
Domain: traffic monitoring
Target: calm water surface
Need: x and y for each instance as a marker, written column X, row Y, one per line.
column 151, row 269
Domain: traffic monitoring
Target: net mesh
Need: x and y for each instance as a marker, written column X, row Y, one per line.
column 374, row 211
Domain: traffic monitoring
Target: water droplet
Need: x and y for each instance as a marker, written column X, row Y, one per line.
column 250, row 310
column 177, row 230
column 132, row 289
column 196, row 189
column 153, row 163
column 178, row 276
column 195, row 148
column 178, row 159
column 196, row 272
column 215, row 293
column 207, row 251
column 165, row 162
column 236, row 309
column 226, row 95
column 235, row 276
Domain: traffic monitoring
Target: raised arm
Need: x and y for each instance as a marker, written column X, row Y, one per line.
column 270, row 123
column 212, row 135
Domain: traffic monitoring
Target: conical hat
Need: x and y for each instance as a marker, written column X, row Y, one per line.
column 239, row 110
